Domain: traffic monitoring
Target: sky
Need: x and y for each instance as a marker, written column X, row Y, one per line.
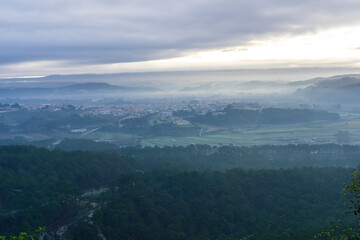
column 40, row 37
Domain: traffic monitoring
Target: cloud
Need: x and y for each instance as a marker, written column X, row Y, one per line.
column 108, row 31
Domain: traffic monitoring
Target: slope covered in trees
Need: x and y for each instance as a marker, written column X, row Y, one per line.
column 235, row 117
column 157, row 194
column 235, row 204
column 205, row 157
column 39, row 186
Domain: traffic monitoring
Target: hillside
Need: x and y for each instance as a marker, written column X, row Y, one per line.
column 155, row 192
column 72, row 91
column 337, row 89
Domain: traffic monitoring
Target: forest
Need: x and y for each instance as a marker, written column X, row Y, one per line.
column 237, row 203
column 236, row 117
column 40, row 187
column 194, row 192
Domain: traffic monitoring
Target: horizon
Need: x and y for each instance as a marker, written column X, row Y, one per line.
column 284, row 75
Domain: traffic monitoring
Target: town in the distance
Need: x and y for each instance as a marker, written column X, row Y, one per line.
column 316, row 111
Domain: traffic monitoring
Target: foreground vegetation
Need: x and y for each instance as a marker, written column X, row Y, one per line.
column 194, row 192
column 263, row 204
column 41, row 187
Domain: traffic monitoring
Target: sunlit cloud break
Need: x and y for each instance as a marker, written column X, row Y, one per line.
column 63, row 37
column 327, row 48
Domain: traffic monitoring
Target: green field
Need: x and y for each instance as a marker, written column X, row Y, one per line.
column 315, row 133
column 107, row 130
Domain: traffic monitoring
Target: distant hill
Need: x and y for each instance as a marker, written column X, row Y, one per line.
column 80, row 90
column 306, row 83
column 90, row 86
column 344, row 89
column 244, row 86
column 96, row 86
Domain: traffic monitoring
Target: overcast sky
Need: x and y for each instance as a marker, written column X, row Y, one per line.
column 40, row 37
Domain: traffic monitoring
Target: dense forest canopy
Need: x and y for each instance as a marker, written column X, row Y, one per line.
column 233, row 204
column 40, row 186
column 232, row 116
column 155, row 193
column 200, row 157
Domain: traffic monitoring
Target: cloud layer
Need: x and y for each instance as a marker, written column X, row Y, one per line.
column 108, row 31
